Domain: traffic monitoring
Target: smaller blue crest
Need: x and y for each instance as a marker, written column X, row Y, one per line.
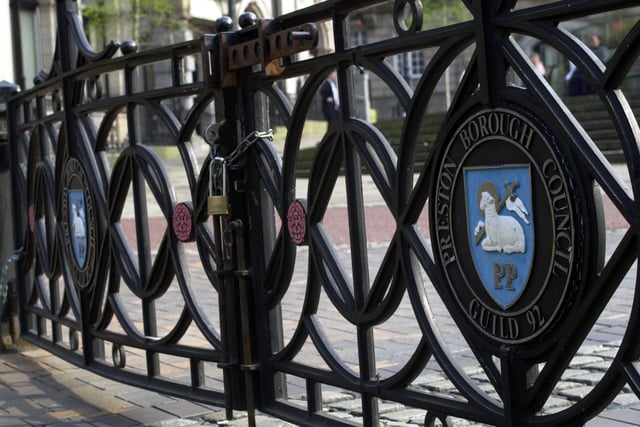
column 78, row 225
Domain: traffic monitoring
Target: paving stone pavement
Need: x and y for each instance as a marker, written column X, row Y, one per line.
column 37, row 388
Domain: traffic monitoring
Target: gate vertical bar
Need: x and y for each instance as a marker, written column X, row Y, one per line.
column 225, row 107
column 489, row 60
column 262, row 328
column 357, row 230
column 267, row 323
column 251, row 308
column 17, row 198
column 68, row 51
column 20, row 216
column 71, row 96
column 231, row 328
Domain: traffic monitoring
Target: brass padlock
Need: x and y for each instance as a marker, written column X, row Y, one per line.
column 218, row 204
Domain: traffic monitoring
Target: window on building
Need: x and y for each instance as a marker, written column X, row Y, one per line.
column 410, row 65
column 30, row 35
column 26, row 42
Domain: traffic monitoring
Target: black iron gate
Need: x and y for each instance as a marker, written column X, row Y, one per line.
column 225, row 278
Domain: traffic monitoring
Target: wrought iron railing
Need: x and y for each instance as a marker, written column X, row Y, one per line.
column 274, row 305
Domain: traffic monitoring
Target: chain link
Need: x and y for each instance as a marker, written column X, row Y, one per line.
column 219, row 164
column 246, row 143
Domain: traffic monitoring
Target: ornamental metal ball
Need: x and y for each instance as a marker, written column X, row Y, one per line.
column 128, row 47
column 223, row 24
column 247, row 19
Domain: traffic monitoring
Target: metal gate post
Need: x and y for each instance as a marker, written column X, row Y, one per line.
column 231, row 326
column 267, row 333
column 7, row 245
column 245, row 243
column 229, row 228
column 6, row 91
column 356, row 219
column 252, row 224
column 252, row 233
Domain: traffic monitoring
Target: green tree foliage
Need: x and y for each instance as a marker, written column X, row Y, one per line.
column 148, row 22
column 442, row 12
column 95, row 17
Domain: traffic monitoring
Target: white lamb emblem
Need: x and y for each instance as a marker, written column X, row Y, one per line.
column 504, row 233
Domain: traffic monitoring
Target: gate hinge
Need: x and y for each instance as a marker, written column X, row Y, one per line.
column 263, row 45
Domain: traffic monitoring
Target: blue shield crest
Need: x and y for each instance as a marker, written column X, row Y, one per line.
column 500, row 227
column 78, row 225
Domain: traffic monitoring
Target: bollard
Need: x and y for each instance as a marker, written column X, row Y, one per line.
column 7, row 90
column 7, row 326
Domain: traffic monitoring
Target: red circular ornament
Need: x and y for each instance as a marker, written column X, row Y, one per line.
column 32, row 219
column 183, row 222
column 297, row 222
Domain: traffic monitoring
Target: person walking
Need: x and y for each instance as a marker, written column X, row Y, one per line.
column 536, row 60
column 330, row 98
column 598, row 48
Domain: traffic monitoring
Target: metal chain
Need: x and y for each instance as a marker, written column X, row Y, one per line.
column 246, row 143
column 216, row 160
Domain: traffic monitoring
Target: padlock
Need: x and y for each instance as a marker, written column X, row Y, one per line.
column 218, row 204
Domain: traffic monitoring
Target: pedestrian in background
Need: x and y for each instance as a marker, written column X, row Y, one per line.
column 536, row 60
column 598, row 48
column 330, row 98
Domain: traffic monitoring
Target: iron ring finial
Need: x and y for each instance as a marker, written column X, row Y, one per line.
column 407, row 16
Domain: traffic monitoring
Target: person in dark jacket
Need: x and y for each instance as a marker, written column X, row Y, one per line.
column 576, row 81
column 598, row 48
column 330, row 98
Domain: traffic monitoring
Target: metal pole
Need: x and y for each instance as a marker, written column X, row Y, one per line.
column 232, row 11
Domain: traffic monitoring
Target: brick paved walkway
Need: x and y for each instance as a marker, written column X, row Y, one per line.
column 37, row 388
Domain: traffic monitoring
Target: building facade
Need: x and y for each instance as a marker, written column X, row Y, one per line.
column 30, row 32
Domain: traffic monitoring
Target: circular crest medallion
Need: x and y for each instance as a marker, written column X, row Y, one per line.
column 506, row 225
column 79, row 222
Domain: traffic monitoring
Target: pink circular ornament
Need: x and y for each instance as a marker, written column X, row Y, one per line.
column 297, row 222
column 32, row 218
column 183, row 222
